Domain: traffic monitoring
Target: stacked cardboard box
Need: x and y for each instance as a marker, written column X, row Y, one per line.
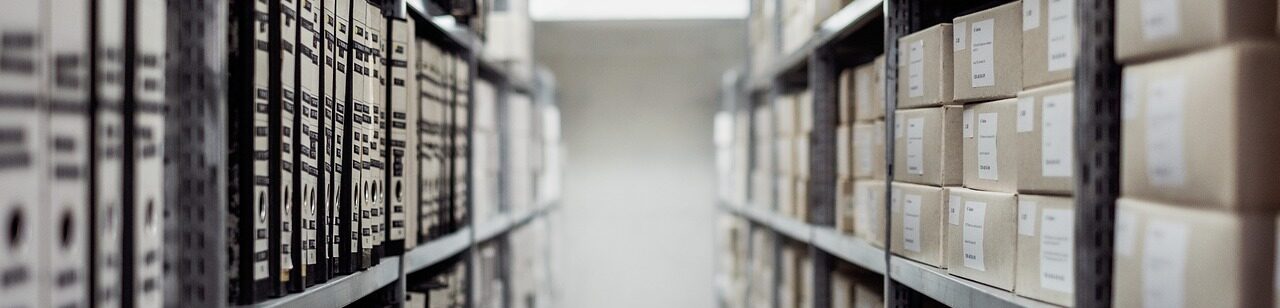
column 1195, row 225
column 855, row 287
column 860, row 145
column 793, row 116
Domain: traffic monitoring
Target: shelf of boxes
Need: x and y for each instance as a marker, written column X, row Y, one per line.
column 951, row 290
column 852, row 16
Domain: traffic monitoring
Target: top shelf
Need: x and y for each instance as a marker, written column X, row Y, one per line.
column 465, row 39
column 852, row 17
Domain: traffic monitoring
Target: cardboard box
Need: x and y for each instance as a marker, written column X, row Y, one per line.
column 844, row 151
column 785, row 115
column 1044, row 139
column 981, row 238
column 868, row 211
column 919, row 224
column 1153, row 29
column 868, row 150
column 924, row 68
column 846, row 97
column 988, row 54
column 927, row 146
column 868, row 92
column 1170, row 255
column 869, row 292
column 800, row 210
column 1199, row 129
column 1049, row 41
column 990, row 147
column 786, row 156
column 844, row 205
column 1046, row 249
column 801, row 144
column 842, row 290
column 785, row 186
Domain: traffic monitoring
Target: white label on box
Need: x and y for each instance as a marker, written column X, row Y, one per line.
column 915, row 146
column 987, row 127
column 1164, row 264
column 915, row 69
column 982, row 54
column 911, row 222
column 953, row 210
column 1026, row 114
column 897, row 129
column 1160, row 19
column 1031, row 14
column 1129, row 97
column 1056, row 139
column 1126, row 232
column 958, row 34
column 975, row 215
column 968, row 122
column 1166, row 166
column 1057, row 250
column 1061, row 34
column 1026, row 217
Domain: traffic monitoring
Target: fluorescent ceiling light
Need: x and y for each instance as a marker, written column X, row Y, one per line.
column 637, row 9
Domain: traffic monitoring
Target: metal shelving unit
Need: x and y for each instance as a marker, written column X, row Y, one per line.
column 392, row 271
column 837, row 45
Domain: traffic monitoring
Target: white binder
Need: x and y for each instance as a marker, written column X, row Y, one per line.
column 66, row 225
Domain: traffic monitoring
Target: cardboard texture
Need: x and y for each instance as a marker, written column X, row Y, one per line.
column 925, row 68
column 1046, row 249
column 1045, row 140
column 919, row 223
column 1147, row 30
column 1197, row 128
column 927, row 146
column 982, row 241
column 868, row 90
column 868, row 211
column 1169, row 255
column 868, row 150
column 988, row 54
column 1049, row 41
column 990, row 147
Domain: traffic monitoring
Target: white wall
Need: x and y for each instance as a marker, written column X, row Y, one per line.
column 637, row 100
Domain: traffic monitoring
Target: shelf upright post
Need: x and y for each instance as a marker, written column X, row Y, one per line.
column 822, row 155
column 1097, row 151
column 473, row 65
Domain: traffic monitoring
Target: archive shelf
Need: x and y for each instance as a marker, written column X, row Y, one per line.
column 344, row 290
column 844, row 40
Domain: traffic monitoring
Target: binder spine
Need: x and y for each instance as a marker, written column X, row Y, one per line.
column 66, row 226
column 326, row 234
column 345, row 139
column 22, row 163
column 108, row 153
column 145, row 105
column 377, row 92
column 360, row 112
column 397, row 139
column 282, row 138
column 306, row 124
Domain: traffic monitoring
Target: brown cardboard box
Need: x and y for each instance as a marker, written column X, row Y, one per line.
column 868, row 292
column 981, row 238
column 868, row 150
column 924, row 68
column 1152, row 29
column 990, row 149
column 842, row 290
column 1046, row 249
column 1211, row 139
column 844, row 205
column 1048, row 41
column 785, row 187
column 844, row 151
column 789, row 277
column 1188, row 256
column 801, row 144
column 786, row 115
column 919, row 223
column 988, row 54
column 868, row 211
column 845, row 99
column 1046, row 151
column 878, row 89
column 927, row 146
column 868, row 91
column 804, row 110
column 801, row 203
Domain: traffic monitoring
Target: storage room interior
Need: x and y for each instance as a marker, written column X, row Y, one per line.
column 661, row 153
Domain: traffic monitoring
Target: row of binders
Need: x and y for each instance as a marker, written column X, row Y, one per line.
column 343, row 138
column 348, row 141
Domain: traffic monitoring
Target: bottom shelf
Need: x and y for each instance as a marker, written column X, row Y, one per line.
column 343, row 290
column 951, row 290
